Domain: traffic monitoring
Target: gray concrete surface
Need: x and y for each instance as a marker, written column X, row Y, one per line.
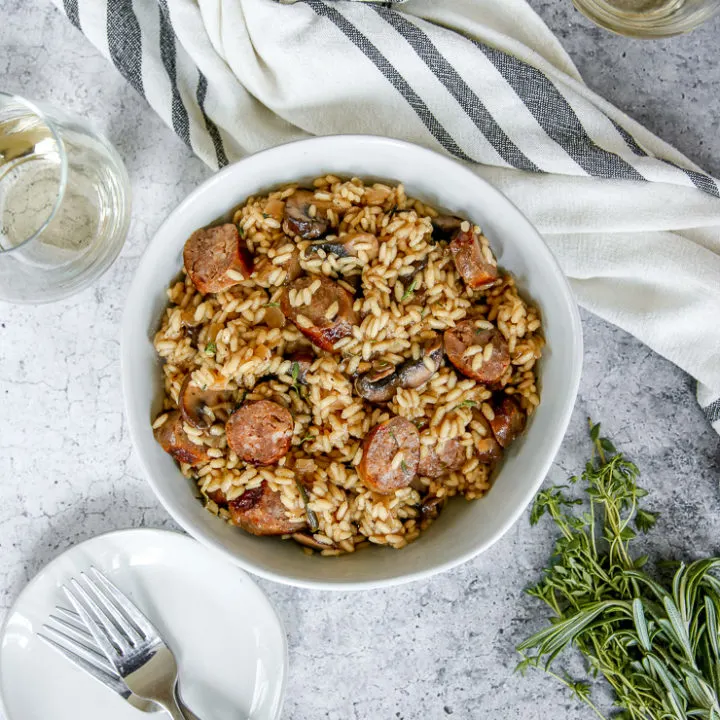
column 443, row 648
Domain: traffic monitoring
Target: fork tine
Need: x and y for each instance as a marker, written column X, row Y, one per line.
column 80, row 646
column 94, row 620
column 141, row 622
column 71, row 618
column 73, row 633
column 110, row 607
column 112, row 681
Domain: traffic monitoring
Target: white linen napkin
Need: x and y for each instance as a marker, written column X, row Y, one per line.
column 634, row 224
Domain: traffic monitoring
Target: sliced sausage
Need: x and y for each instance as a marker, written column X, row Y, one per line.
column 201, row 407
column 467, row 252
column 445, row 457
column 329, row 316
column 216, row 258
column 260, row 511
column 260, row 432
column 175, row 441
column 299, row 219
column 509, row 421
column 484, row 369
column 348, row 245
column 379, row 469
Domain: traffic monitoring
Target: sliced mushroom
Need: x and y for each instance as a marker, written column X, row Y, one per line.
column 201, row 407
column 431, row 505
column 311, row 542
column 446, row 225
column 414, row 373
column 349, row 245
column 301, row 220
column 379, row 385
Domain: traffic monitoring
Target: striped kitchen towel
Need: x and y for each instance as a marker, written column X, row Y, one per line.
column 634, row 224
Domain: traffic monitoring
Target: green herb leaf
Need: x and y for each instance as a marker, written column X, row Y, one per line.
column 466, row 403
column 656, row 644
column 404, row 467
column 272, row 305
column 210, row 348
column 409, row 291
column 266, row 215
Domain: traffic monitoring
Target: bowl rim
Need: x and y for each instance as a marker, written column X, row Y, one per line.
column 573, row 380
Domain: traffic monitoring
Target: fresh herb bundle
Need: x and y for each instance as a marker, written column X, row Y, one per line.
column 657, row 644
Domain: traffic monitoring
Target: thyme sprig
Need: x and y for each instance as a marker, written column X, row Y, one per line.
column 656, row 644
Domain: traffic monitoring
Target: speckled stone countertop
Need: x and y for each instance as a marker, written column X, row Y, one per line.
column 435, row 649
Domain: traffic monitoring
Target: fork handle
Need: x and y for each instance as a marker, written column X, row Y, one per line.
column 172, row 709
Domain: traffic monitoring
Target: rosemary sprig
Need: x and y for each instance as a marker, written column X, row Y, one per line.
column 657, row 645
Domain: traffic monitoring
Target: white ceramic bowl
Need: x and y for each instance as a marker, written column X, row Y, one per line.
column 464, row 529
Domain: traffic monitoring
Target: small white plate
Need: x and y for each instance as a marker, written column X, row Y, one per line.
column 226, row 636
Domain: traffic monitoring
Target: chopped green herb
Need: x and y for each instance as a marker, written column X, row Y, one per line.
column 204, row 387
column 210, row 348
column 404, row 467
column 275, row 305
column 309, row 436
column 392, row 435
column 409, row 291
column 466, row 403
column 241, row 230
column 266, row 215
column 654, row 639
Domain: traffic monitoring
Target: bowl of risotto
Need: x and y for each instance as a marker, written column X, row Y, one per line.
column 348, row 362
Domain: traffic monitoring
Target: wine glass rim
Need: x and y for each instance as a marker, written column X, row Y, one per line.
column 62, row 185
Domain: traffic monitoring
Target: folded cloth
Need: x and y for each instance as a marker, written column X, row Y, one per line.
column 634, row 224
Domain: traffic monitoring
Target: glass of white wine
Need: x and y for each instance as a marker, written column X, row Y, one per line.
column 64, row 202
column 649, row 18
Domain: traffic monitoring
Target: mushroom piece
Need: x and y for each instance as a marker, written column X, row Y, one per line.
column 431, row 506
column 300, row 219
column 301, row 360
column 200, row 407
column 311, row 542
column 414, row 373
column 379, row 385
column 349, row 245
column 446, row 225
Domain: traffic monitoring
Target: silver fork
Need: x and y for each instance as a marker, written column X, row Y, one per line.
column 128, row 639
column 66, row 633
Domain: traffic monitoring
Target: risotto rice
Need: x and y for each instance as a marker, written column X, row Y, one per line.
column 399, row 286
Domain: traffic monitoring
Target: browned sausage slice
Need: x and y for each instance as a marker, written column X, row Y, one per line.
column 260, row 432
column 380, row 469
column 443, row 458
column 329, row 316
column 175, row 441
column 216, row 258
column 260, row 511
column 467, row 251
column 300, row 219
column 479, row 366
column 509, row 421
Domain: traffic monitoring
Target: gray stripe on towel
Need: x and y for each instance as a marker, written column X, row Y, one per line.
column 391, row 75
column 458, row 88
column 125, row 42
